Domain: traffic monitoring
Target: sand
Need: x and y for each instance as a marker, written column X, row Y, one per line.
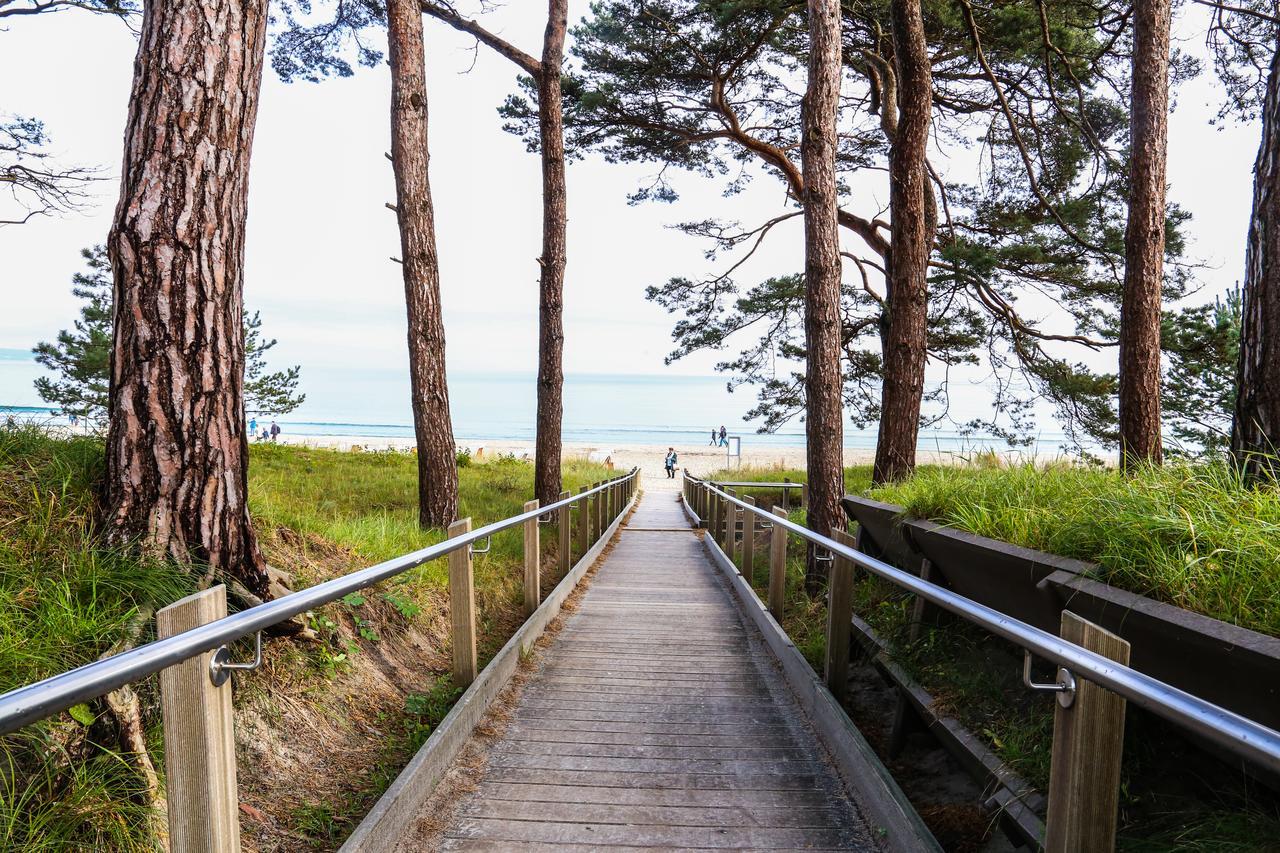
column 648, row 457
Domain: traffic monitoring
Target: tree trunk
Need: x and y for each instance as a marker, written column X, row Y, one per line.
column 547, row 449
column 177, row 453
column 1255, row 431
column 437, row 456
column 1144, row 237
column 907, row 296
column 824, row 416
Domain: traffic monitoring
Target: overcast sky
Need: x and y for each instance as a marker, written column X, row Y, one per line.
column 319, row 236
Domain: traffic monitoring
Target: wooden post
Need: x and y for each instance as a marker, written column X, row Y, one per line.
column 777, row 565
column 199, row 747
column 584, row 524
column 730, row 523
column 713, row 529
column 1088, row 740
column 532, row 561
column 804, row 495
column 749, row 543
column 786, row 494
column 462, row 608
column 839, row 616
column 565, row 535
column 598, row 520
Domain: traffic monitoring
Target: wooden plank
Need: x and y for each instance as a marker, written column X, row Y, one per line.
column 584, row 524
column 565, row 535
column 1088, row 741
column 839, row 614
column 532, row 561
column 518, row 791
column 749, row 542
column 199, row 755
column 817, row 817
column 462, row 607
column 777, row 565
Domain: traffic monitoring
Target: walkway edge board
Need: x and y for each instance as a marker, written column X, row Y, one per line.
column 893, row 818
column 391, row 816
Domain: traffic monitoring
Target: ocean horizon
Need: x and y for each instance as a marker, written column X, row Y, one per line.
column 600, row 409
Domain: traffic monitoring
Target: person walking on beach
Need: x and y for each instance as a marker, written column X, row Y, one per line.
column 715, row 439
column 671, row 463
column 724, row 436
column 253, row 426
column 275, row 430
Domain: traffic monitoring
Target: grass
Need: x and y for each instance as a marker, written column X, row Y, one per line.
column 1193, row 536
column 66, row 600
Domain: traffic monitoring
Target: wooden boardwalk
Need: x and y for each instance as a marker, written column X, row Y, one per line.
column 657, row 719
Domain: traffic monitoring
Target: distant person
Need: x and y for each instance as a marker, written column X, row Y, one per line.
column 275, row 430
column 253, row 426
column 671, row 463
column 75, row 420
column 715, row 438
column 266, row 436
column 724, row 436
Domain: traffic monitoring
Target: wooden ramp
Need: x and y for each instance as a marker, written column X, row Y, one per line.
column 657, row 719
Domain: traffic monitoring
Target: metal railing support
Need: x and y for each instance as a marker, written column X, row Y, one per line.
column 532, row 561
column 200, row 752
column 462, row 607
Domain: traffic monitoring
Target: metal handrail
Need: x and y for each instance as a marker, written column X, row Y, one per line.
column 34, row 702
column 1240, row 735
column 756, row 485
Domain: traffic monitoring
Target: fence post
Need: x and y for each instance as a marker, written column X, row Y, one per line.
column 598, row 521
column 462, row 607
column 565, row 535
column 199, row 747
column 584, row 524
column 714, row 528
column 786, row 494
column 804, row 495
column 1088, row 740
column 777, row 565
column 839, row 617
column 749, row 542
column 730, row 523
column 532, row 560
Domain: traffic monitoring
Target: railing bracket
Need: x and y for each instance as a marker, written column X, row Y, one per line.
column 221, row 665
column 1065, row 686
column 488, row 546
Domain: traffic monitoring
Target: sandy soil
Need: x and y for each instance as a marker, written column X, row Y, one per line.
column 698, row 460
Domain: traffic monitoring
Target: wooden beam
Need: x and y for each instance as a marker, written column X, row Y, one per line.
column 462, row 608
column 565, row 535
column 532, row 561
column 777, row 565
column 1088, row 741
column 839, row 614
column 584, row 523
column 749, row 542
column 199, row 745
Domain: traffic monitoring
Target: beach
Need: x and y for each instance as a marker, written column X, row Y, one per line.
column 697, row 460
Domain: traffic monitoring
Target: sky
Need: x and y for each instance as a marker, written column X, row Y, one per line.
column 320, row 239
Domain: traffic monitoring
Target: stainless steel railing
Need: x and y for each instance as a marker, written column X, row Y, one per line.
column 35, row 702
column 1242, row 736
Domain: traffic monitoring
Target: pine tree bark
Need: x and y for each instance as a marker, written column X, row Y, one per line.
column 177, row 452
column 1144, row 237
column 824, row 415
column 433, row 427
column 547, row 447
column 905, row 318
column 1255, row 430
column 546, row 73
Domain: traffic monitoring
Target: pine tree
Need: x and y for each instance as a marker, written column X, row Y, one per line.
column 81, row 356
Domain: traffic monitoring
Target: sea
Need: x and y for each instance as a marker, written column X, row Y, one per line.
column 600, row 409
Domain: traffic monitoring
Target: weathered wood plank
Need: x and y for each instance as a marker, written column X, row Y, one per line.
column 200, row 753
column 532, row 561
column 462, row 607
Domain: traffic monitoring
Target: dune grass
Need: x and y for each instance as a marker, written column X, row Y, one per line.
column 1191, row 535
column 65, row 600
